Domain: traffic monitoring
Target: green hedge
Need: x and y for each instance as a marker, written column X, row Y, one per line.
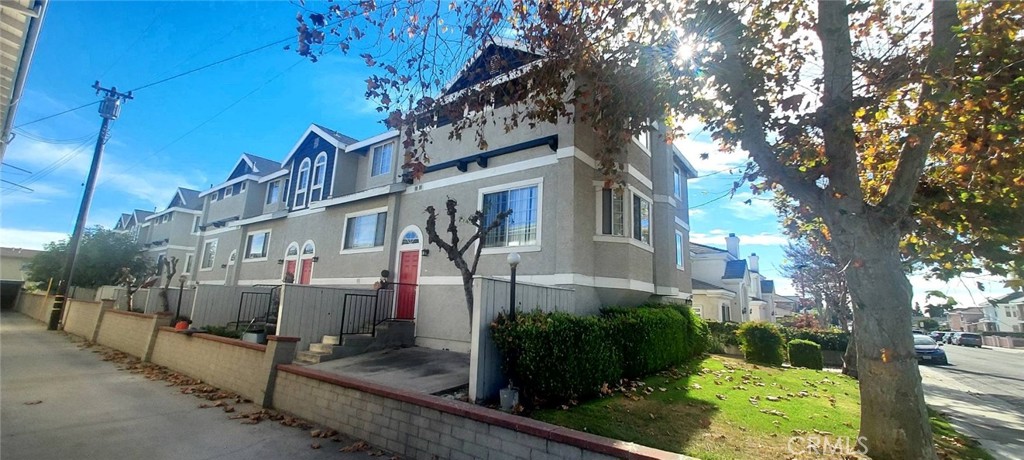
column 724, row 333
column 557, row 357
column 652, row 338
column 804, row 353
column 762, row 343
column 829, row 340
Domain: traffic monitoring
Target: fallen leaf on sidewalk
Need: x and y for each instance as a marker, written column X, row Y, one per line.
column 358, row 446
column 32, row 403
column 315, row 445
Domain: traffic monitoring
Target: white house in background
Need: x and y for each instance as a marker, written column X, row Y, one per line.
column 1007, row 312
column 728, row 288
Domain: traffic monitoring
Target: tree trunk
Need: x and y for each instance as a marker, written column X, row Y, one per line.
column 467, row 287
column 894, row 419
column 850, row 357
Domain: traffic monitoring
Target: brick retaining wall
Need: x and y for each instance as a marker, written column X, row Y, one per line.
column 423, row 426
column 132, row 333
column 35, row 306
column 83, row 318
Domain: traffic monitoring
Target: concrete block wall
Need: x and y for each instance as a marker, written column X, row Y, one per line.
column 132, row 333
column 83, row 318
column 35, row 306
column 245, row 368
column 422, row 426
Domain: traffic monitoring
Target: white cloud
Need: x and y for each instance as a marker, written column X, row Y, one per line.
column 716, row 238
column 697, row 213
column 28, row 239
column 716, row 162
column 964, row 289
column 759, row 209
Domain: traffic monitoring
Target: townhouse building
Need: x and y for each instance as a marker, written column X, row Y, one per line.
column 729, row 288
column 337, row 211
column 171, row 232
column 132, row 222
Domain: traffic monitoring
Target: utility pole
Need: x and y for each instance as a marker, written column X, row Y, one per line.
column 110, row 108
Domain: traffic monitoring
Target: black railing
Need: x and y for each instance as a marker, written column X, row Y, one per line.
column 256, row 310
column 361, row 313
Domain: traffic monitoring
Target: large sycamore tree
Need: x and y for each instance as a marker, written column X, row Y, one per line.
column 895, row 126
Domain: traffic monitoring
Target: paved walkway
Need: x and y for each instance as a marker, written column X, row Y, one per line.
column 423, row 370
column 91, row 410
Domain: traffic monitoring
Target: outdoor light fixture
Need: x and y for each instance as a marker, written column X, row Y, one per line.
column 181, row 293
column 513, row 262
column 280, row 261
column 316, row 258
column 425, row 252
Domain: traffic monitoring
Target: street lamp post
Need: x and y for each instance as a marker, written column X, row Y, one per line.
column 513, row 262
column 181, row 293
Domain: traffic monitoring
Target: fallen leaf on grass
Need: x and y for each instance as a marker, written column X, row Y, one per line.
column 720, row 396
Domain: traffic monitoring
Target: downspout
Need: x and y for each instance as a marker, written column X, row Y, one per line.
column 35, row 24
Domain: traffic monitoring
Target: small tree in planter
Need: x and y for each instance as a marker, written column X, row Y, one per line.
column 170, row 268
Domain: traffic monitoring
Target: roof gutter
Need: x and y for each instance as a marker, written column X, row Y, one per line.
column 32, row 36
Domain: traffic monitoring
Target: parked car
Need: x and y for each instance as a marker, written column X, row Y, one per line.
column 955, row 338
column 969, row 339
column 928, row 350
column 917, row 332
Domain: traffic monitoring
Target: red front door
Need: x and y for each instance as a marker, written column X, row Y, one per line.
column 289, row 270
column 408, row 275
column 307, row 271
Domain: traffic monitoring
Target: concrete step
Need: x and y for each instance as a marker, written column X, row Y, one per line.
column 331, row 339
column 322, row 348
column 309, row 357
column 357, row 340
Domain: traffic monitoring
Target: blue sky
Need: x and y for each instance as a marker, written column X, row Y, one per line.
column 190, row 131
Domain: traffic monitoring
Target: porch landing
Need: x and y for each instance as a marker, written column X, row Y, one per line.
column 423, row 370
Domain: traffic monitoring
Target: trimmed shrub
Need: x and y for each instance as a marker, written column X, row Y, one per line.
column 653, row 338
column 804, row 353
column 828, row 339
column 762, row 343
column 724, row 333
column 222, row 331
column 557, row 357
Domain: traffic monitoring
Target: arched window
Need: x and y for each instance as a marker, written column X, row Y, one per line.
column 302, row 183
column 308, row 249
column 293, row 250
column 410, row 237
column 319, row 176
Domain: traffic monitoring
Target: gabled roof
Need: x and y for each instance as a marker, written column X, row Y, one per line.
column 698, row 248
column 256, row 165
column 481, row 67
column 141, row 215
column 698, row 284
column 1007, row 298
column 333, row 137
column 735, row 269
column 186, row 198
column 122, row 222
column 767, row 286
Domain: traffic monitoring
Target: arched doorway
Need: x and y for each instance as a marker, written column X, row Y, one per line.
column 291, row 258
column 306, row 259
column 409, row 249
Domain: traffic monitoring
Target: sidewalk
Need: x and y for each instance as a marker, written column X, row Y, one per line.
column 990, row 420
column 1019, row 351
column 59, row 401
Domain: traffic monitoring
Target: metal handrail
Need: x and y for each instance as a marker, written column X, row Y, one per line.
column 362, row 313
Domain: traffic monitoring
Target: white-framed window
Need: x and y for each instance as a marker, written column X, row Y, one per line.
column 365, row 230
column 382, row 159
column 303, row 183
column 522, row 226
column 644, row 141
column 229, row 190
column 196, row 220
column 410, row 237
column 308, row 249
column 241, row 187
column 677, row 182
column 293, row 251
column 319, row 177
column 209, row 254
column 256, row 244
column 189, row 260
column 273, row 191
column 613, row 211
column 641, row 219
column 679, row 251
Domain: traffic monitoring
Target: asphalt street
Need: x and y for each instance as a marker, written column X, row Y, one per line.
column 58, row 401
column 982, row 390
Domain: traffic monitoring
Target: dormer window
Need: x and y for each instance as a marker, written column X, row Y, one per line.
column 303, row 184
column 319, row 176
column 382, row 159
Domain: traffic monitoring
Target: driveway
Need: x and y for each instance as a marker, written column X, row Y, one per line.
column 60, row 401
column 983, row 392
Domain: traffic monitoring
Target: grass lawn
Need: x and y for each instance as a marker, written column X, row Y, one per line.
column 724, row 408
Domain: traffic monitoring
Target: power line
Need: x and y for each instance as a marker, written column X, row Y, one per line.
column 15, row 167
column 182, row 74
column 16, row 185
column 47, row 140
column 211, row 118
column 56, row 114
